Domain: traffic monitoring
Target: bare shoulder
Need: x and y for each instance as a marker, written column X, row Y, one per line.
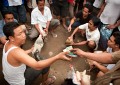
column 17, row 52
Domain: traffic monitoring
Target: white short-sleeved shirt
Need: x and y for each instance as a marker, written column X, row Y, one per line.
column 13, row 2
column 38, row 18
column 94, row 35
column 97, row 3
column 111, row 12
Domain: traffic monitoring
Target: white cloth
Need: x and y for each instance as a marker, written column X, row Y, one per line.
column 111, row 12
column 91, row 35
column 38, row 18
column 109, row 50
column 97, row 3
column 15, row 2
column 34, row 5
column 119, row 28
column 13, row 75
column 110, row 66
column 38, row 44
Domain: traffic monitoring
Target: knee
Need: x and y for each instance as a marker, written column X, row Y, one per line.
column 92, row 44
column 57, row 22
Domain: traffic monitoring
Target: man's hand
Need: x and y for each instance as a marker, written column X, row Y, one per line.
column 69, row 28
column 78, row 52
column 111, row 26
column 63, row 56
column 70, row 38
column 46, row 30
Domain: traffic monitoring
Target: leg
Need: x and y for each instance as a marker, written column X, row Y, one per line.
column 103, row 43
column 74, row 25
column 53, row 25
column 33, row 33
column 56, row 10
column 44, row 77
column 71, row 10
column 100, row 74
column 64, row 8
column 12, row 9
column 92, row 45
column 31, row 74
column 22, row 14
column 64, row 22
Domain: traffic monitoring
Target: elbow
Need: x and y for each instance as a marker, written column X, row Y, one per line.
column 37, row 67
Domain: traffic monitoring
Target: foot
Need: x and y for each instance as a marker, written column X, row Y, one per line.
column 50, row 80
column 54, row 35
column 65, row 26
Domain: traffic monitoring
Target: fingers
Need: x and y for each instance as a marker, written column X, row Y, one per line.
column 74, row 50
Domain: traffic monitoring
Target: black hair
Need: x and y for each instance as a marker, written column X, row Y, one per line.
column 7, row 12
column 96, row 21
column 39, row 0
column 68, row 82
column 89, row 7
column 9, row 27
column 117, row 37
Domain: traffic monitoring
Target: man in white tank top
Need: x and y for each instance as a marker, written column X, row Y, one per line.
column 15, row 59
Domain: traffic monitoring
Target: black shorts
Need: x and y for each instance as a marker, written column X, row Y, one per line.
column 60, row 8
column 32, row 74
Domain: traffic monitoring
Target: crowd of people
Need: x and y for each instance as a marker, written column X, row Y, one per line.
column 96, row 20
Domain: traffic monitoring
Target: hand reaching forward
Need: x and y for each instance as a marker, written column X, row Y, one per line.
column 63, row 56
column 78, row 52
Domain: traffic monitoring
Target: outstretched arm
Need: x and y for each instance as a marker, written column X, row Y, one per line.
column 20, row 56
column 99, row 57
column 80, row 43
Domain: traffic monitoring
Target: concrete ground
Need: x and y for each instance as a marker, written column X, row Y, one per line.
column 53, row 46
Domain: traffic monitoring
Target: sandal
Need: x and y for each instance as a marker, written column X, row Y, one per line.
column 50, row 80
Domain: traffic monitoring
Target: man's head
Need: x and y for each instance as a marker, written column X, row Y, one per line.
column 40, row 4
column 8, row 16
column 14, row 33
column 93, row 23
column 87, row 9
column 114, row 41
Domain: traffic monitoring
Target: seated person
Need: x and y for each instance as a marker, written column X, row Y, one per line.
column 113, row 75
column 113, row 45
column 7, row 17
column 15, row 59
column 41, row 19
column 81, row 17
column 91, row 32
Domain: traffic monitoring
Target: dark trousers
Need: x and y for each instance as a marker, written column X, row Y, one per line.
column 31, row 74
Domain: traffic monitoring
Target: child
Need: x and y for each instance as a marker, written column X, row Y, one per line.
column 91, row 31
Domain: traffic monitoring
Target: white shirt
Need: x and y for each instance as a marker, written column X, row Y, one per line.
column 15, row 2
column 38, row 18
column 97, row 3
column 91, row 35
column 111, row 12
